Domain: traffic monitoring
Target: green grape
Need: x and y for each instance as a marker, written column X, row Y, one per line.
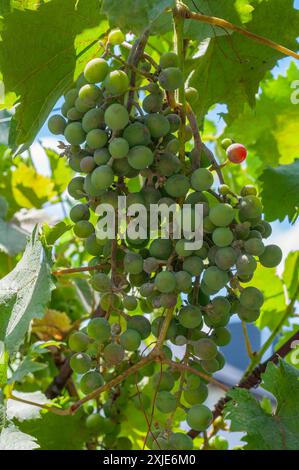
column 180, row 441
column 166, row 402
column 83, row 228
column 93, row 119
column 190, row 316
column 101, row 282
column 119, row 147
column 95, row 422
column 203, row 155
column 71, row 96
column 208, row 225
column 138, row 279
column 171, row 78
column 215, row 278
column 80, row 363
column 150, row 265
column 174, row 121
column 123, row 443
column 164, row 381
column 74, row 133
column 202, row 179
column 254, row 246
column 102, row 177
column 87, row 164
column 161, row 248
column 251, row 298
column 177, row 186
column 152, row 103
column 89, row 94
column 74, row 163
column 221, row 215
column 248, row 190
column 222, row 237
column 116, row 82
column 219, row 315
column 271, row 257
column 130, row 340
column 101, row 156
column 225, row 258
column 140, row 157
column 56, row 124
column 255, row 234
column 171, row 145
column 168, row 300
column 109, row 301
column 242, row 231
column 157, row 124
column 83, row 106
column 246, row 264
column 218, row 443
column 79, row 212
column 169, row 59
column 199, row 417
column 151, row 196
column 157, row 325
column 110, row 197
column 115, row 37
column 92, row 245
column 221, row 336
column 75, row 187
column 137, row 134
column 91, row 381
column 140, row 324
column 78, row 341
column 121, row 167
column 113, row 354
column 146, row 289
column 196, row 395
column 165, row 282
column 205, row 349
column 99, row 329
column 133, row 263
column 193, row 265
column 90, row 189
column 210, row 366
column 191, row 95
column 135, row 198
column 130, row 302
column 116, row 117
column 246, row 314
column 168, row 164
column 267, row 229
column 183, row 281
column 96, row 138
column 250, row 208
column 96, row 70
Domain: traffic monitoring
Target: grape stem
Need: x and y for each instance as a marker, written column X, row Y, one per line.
column 247, row 341
column 133, row 61
column 80, row 269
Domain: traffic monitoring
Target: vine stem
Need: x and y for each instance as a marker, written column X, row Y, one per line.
column 184, row 11
column 247, row 340
column 80, row 269
column 52, row 409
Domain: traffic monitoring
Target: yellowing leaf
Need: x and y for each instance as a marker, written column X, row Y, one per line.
column 30, row 188
column 54, row 324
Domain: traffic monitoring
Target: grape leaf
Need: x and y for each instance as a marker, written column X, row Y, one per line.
column 61, row 173
column 26, row 367
column 278, row 431
column 30, row 188
column 25, row 292
column 42, row 70
column 11, row 438
column 291, row 273
column 3, row 366
column 12, row 238
column 280, row 192
column 52, row 234
column 22, row 411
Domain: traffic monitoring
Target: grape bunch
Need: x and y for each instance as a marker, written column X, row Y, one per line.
column 154, row 293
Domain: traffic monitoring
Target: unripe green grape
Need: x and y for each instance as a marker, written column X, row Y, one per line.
column 93, row 119
column 225, row 258
column 171, row 78
column 174, row 121
column 246, row 314
column 79, row 212
column 140, row 324
column 81, row 80
column 138, row 279
column 254, row 246
column 267, row 229
column 87, row 164
column 246, row 264
column 183, row 281
column 74, row 162
column 74, row 133
column 177, row 186
column 145, row 67
column 225, row 143
column 116, row 82
column 101, row 282
column 74, row 115
column 250, row 208
column 56, row 124
column 151, row 196
column 202, row 155
column 190, row 316
column 78, row 341
column 165, row 282
column 135, row 198
column 221, row 336
column 224, row 189
column 212, row 254
column 196, row 395
column 152, row 103
column 215, row 278
column 188, row 133
column 83, row 106
column 191, row 95
column 83, row 228
column 91, row 381
column 115, row 37
column 205, row 349
column 222, row 237
column 137, row 134
column 248, row 190
column 208, row 226
column 168, row 164
column 92, row 245
column 80, row 363
column 193, row 265
column 110, row 197
column 169, row 59
column 166, row 402
column 133, row 263
column 114, row 353
column 99, row 329
column 199, row 417
column 180, row 441
column 130, row 340
column 71, row 96
column 94, row 422
column 146, row 289
column 245, row 277
column 89, row 187
column 109, row 301
column 150, row 265
column 181, row 250
column 123, row 443
column 251, row 298
column 210, row 366
column 164, row 381
column 157, row 325
column 116, row 116
column 255, row 234
column 96, row 138
column 203, row 251
column 172, row 145
column 271, row 257
column 161, row 248
column 221, row 215
column 89, row 94
column 64, row 109
column 157, row 124
column 101, row 156
column 130, row 302
column 96, row 70
column 242, row 231
column 140, row 157
column 118, row 147
column 102, row 177
column 218, row 443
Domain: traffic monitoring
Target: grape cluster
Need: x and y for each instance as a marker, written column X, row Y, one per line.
column 112, row 139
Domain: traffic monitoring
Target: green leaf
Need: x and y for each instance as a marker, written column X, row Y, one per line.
column 119, row 13
column 27, row 366
column 42, row 70
column 61, row 172
column 54, row 432
column 52, row 234
column 11, row 438
column 279, row 431
column 12, row 238
column 280, row 192
column 3, row 365
column 291, row 273
column 24, row 293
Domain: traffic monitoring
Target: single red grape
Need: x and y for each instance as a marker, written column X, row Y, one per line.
column 236, row 153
